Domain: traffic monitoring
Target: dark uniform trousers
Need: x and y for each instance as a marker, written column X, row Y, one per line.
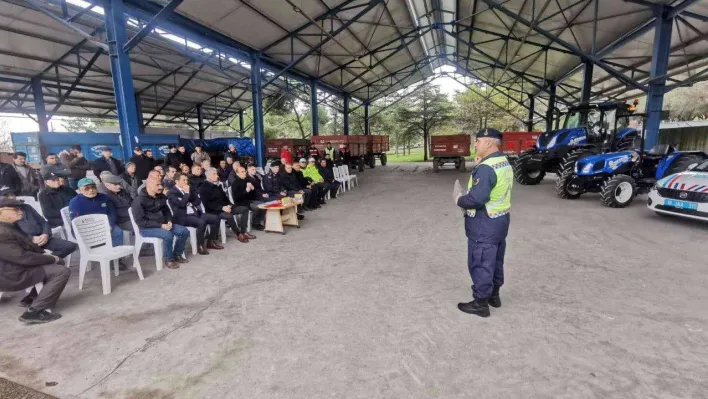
column 486, row 266
column 55, row 279
column 242, row 213
column 201, row 223
column 258, row 213
column 59, row 247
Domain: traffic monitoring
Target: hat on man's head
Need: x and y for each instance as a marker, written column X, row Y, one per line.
column 10, row 203
column 274, row 164
column 85, row 182
column 172, row 146
column 6, row 190
column 50, row 176
column 137, row 148
column 111, row 179
column 311, row 159
column 303, row 160
column 490, row 133
column 107, row 149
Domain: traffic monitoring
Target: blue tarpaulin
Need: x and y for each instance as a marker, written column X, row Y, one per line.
column 244, row 145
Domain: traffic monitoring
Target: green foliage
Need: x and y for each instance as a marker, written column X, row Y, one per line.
column 476, row 111
column 85, row 124
column 687, row 103
column 425, row 111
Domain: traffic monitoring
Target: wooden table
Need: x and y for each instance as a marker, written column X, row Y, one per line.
column 277, row 216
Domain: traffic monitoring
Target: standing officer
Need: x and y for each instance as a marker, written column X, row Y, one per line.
column 487, row 218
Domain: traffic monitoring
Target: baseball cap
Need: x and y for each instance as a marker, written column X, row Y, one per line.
column 50, row 176
column 172, row 146
column 303, row 160
column 137, row 148
column 85, row 182
column 5, row 190
column 112, row 179
column 107, row 149
column 311, row 159
column 10, row 203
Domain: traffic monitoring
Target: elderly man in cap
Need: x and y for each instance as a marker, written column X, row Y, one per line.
column 23, row 264
column 54, row 197
column 120, row 198
column 90, row 202
column 487, row 205
column 107, row 162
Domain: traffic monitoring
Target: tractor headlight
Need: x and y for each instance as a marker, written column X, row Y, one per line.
column 552, row 142
column 587, row 168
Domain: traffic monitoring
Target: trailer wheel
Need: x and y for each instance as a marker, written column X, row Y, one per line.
column 383, row 159
column 436, row 166
column 360, row 163
column 618, row 191
column 462, row 168
column 372, row 161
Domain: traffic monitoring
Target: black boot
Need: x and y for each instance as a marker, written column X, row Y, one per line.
column 479, row 307
column 495, row 299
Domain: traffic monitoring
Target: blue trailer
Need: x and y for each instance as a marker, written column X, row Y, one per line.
column 37, row 145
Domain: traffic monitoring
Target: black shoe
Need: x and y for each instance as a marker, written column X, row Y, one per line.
column 122, row 266
column 494, row 299
column 258, row 227
column 201, row 250
column 300, row 216
column 38, row 316
column 479, row 307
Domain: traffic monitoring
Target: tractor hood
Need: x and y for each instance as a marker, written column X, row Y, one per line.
column 686, row 181
column 604, row 163
column 555, row 138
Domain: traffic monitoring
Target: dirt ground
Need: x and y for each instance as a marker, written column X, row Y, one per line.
column 361, row 303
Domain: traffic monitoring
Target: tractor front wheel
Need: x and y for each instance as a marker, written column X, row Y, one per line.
column 618, row 191
column 564, row 189
column 524, row 175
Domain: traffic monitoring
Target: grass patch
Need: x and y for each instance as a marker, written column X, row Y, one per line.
column 416, row 155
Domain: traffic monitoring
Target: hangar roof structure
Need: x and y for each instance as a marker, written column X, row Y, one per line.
column 191, row 60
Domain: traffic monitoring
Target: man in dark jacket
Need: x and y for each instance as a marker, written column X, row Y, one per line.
column 107, row 162
column 9, row 177
column 197, row 177
column 78, row 165
column 131, row 180
column 173, row 158
column 217, row 203
column 292, row 186
column 231, row 153
column 31, row 181
column 186, row 211
column 257, row 181
column 53, row 197
column 328, row 176
column 143, row 164
column 271, row 183
column 154, row 219
column 223, row 171
column 24, row 264
column 121, row 200
column 37, row 227
column 52, row 165
column 244, row 194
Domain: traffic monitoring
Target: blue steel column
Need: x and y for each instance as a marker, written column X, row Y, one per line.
column 587, row 83
column 39, row 109
column 529, row 124
column 551, row 106
column 367, row 121
column 257, row 96
column 122, row 77
column 200, row 121
column 313, row 104
column 139, row 109
column 240, row 122
column 346, row 115
column 657, row 76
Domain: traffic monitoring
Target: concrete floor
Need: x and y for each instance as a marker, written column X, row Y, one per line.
column 361, row 303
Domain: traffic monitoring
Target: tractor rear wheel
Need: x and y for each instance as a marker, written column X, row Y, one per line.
column 563, row 189
column 683, row 163
column 525, row 176
column 462, row 167
column 569, row 160
column 372, row 161
column 383, row 159
column 618, row 191
column 436, row 166
column 360, row 163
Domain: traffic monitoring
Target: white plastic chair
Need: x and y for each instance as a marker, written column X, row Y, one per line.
column 56, row 231
column 93, row 234
column 345, row 173
column 140, row 240
column 192, row 234
column 338, row 177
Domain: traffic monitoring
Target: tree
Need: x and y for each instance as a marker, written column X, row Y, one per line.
column 82, row 124
column 424, row 112
column 476, row 112
column 5, row 138
column 688, row 103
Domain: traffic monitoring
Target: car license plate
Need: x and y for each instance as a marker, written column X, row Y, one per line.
column 681, row 204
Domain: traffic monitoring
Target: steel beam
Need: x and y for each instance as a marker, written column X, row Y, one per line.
column 240, row 121
column 139, row 109
column 257, row 97
column 114, row 16
column 39, row 109
column 529, row 124
column 200, row 121
column 367, row 120
column 145, row 30
column 551, row 106
column 587, row 83
column 314, row 108
column 346, row 115
column 657, row 75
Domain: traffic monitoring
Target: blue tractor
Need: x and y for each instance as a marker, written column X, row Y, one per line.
column 621, row 176
column 588, row 129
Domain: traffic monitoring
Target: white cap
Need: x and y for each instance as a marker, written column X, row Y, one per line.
column 303, row 160
column 311, row 159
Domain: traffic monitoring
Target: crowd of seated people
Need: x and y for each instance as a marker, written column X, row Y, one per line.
column 187, row 191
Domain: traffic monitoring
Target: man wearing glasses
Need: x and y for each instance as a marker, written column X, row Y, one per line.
column 90, row 202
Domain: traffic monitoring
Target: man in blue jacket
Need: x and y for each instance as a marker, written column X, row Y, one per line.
column 487, row 205
column 90, row 202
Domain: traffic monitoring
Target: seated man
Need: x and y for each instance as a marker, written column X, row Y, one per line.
column 120, row 198
column 292, row 186
column 328, row 176
column 244, row 194
column 169, row 180
column 186, row 211
column 224, row 171
column 217, row 203
column 24, row 264
column 154, row 219
column 271, row 183
column 312, row 199
column 197, row 177
column 159, row 170
column 205, row 164
column 131, row 180
column 90, row 202
column 54, row 197
column 313, row 174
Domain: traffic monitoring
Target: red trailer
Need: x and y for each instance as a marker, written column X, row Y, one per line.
column 514, row 143
column 273, row 146
column 376, row 146
column 363, row 150
column 450, row 149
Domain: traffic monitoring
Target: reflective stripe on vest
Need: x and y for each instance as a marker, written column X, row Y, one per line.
column 500, row 197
